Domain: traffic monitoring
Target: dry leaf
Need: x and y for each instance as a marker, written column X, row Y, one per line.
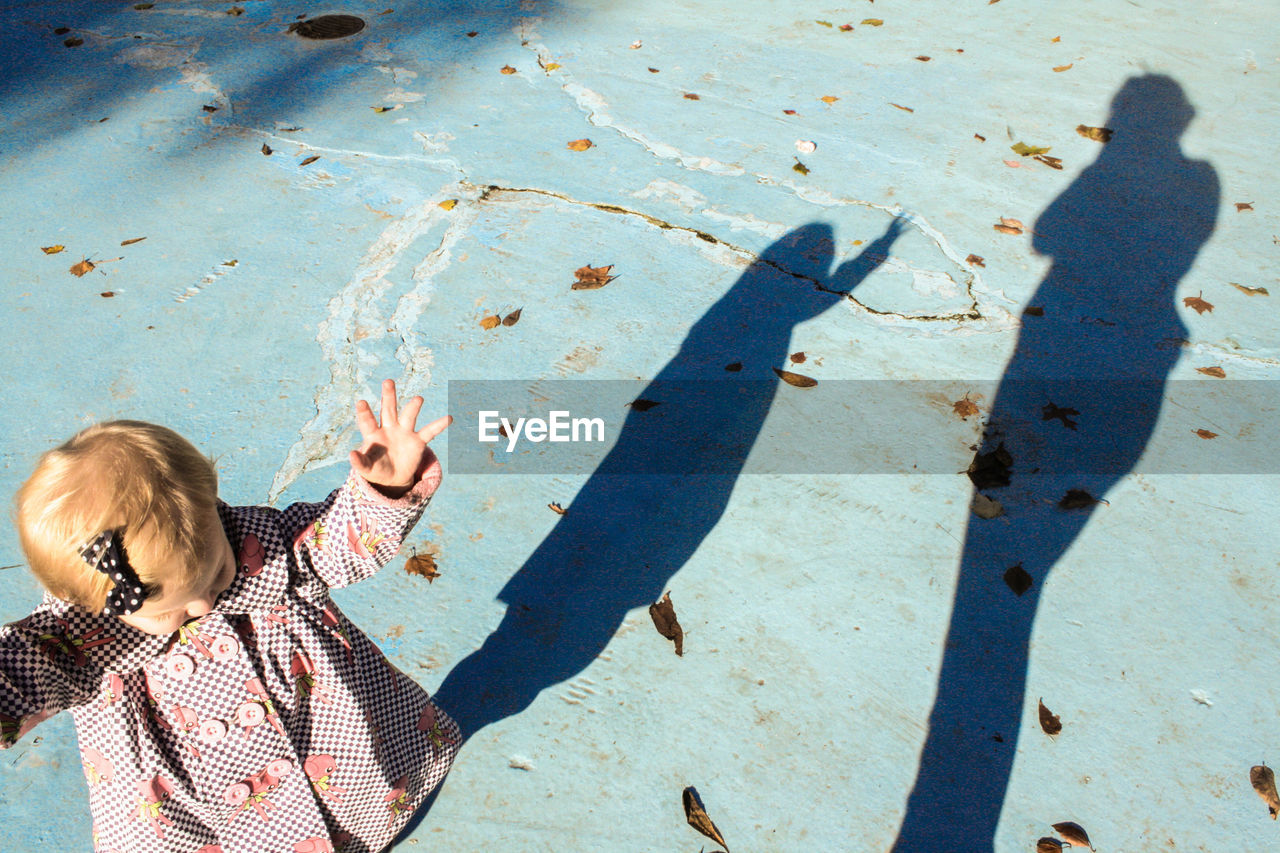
column 1056, row 39
column 798, row 358
column 81, row 268
column 1242, row 206
column 53, row 250
column 975, row 261
column 1066, row 67
column 423, row 565
column 1033, row 311
column 266, row 149
column 449, row 203
column 901, row 107
column 1264, row 782
column 74, row 41
column 924, row 58
column 310, row 160
column 796, row 379
column 872, row 22
column 733, row 368
column 789, row 112
column 640, row 404
column 829, row 99
column 132, row 241
column 991, row 469
column 964, row 407
column 472, row 34
column 1018, row 579
column 1013, row 164
column 1073, row 833
column 826, row 24
column 1250, row 291
column 209, row 108
column 1048, row 845
column 1215, row 372
column 985, row 507
column 1206, row 434
column 550, row 66
column 592, row 278
column 230, row 263
column 663, row 614
column 800, row 167
column 507, row 69
column 1051, row 162
column 1063, row 414
column 1198, row 303
column 1097, row 134
column 979, row 137
column 1077, row 499
column 844, row 28
column 107, row 294
column 512, row 318
column 386, row 109
column 580, row 145
column 696, row 814
column 557, row 509
column 491, row 322
column 1028, row 150
column 690, row 96
column 1049, row 721
column 1008, row 226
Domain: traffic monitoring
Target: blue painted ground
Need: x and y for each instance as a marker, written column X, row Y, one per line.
column 857, row 673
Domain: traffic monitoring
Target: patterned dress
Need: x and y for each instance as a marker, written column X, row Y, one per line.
column 271, row 725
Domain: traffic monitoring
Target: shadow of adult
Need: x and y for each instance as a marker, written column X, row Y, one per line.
column 1074, row 411
column 662, row 487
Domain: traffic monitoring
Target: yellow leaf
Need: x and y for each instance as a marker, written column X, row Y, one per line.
column 131, row 242
column 507, row 69
column 1066, row 67
column 449, row 203
column 52, row 250
column 826, row 24
column 551, row 66
column 580, row 145
column 490, row 322
column 81, row 268
column 872, row 22
column 829, row 99
column 1097, row 134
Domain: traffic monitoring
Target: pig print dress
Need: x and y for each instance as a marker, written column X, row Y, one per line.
column 271, row 725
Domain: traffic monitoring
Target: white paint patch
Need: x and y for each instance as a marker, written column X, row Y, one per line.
column 747, row 222
column 434, row 143
column 157, row 55
column 686, row 198
column 400, row 96
column 376, row 52
column 209, row 278
column 1202, row 696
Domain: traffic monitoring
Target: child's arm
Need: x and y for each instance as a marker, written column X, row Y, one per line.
column 359, row 528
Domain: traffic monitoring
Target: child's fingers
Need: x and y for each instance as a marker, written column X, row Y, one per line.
column 389, row 408
column 365, row 421
column 434, row 428
column 409, row 414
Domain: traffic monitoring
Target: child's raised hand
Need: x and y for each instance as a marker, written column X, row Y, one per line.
column 393, row 452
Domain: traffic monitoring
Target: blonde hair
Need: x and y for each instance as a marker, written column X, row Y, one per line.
column 138, row 478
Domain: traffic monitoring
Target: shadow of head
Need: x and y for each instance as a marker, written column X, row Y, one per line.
column 1148, row 109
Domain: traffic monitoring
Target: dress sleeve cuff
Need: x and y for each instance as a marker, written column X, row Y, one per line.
column 425, row 484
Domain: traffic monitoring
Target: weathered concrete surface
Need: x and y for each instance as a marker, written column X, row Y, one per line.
column 268, row 294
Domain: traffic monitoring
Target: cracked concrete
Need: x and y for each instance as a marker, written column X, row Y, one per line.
column 819, row 608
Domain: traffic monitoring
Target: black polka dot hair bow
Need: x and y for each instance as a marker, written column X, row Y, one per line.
column 107, row 556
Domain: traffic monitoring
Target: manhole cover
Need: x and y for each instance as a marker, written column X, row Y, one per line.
column 328, row 27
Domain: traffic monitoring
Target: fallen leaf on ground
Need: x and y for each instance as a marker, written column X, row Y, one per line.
column 797, row 379
column 449, row 203
column 1097, row 134
column 798, row 358
column 386, row 109
column 924, row 58
column 81, row 268
column 696, row 814
column 1056, row 39
column 901, row 107
column 789, row 112
column 991, row 469
column 640, row 404
column 1066, row 67
column 580, row 144
column 1063, row 414
column 1077, row 499
column 1009, row 226
column 979, row 137
column 266, row 149
column 663, row 614
column 1013, row 164
column 52, row 250
column 491, row 322
column 846, row 27
column 964, row 407
column 872, row 22
column 1243, row 206
column 1048, row 845
column 423, row 565
column 1264, row 782
column 1049, row 721
column 975, row 261
column 1073, row 833
column 829, row 99
column 733, row 368
column 1215, row 371
column 556, row 508
column 1198, row 303
column 472, row 34
column 637, row 44
column 592, row 278
column 130, row 242
column 507, row 69
column 230, row 263
column 1206, row 434
column 985, row 507
column 800, row 167
column 310, row 160
column 209, row 108
column 107, row 294
column 512, row 318
column 74, row 41
column 690, row 96
column 1018, row 579
column 1033, row 311
column 1051, row 162
column 1250, row 291
column 823, row 24
column 1028, row 150
column 550, row 66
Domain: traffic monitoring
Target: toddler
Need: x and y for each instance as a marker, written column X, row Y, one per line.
column 222, row 701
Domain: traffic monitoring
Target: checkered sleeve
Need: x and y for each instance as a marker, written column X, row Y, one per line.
column 357, row 529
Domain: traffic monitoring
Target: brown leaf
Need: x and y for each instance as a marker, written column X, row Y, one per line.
column 797, row 379
column 690, row 96
column 844, row 28
column 1197, row 303
column 592, row 278
column 423, row 565
column 310, row 160
column 964, row 407
column 800, row 167
column 1007, row 229
column 1018, row 579
column 924, row 58
column 829, row 99
column 472, row 34
column 209, row 108
column 979, row 137
column 872, row 22
column 901, row 107
column 1051, row 162
column 507, row 69
column 1073, row 833
column 990, row 470
column 985, row 507
column 663, row 614
column 491, row 322
column 557, row 509
column 1215, row 372
column 132, row 241
column 1048, row 845
column 1063, row 414
column 1060, row 68
column 580, row 145
column 107, row 294
column 512, row 318
column 52, row 250
column 789, row 112
column 640, row 404
column 1033, row 311
column 1097, row 134
column 74, row 41
column 653, row 71
column 1206, row 434
column 1049, row 721
column 266, row 149
column 1264, row 782
column 733, row 368
column 1077, row 499
column 798, row 358
column 975, row 261
column 1242, row 206
column 1250, row 291
column 81, row 268
column 696, row 814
